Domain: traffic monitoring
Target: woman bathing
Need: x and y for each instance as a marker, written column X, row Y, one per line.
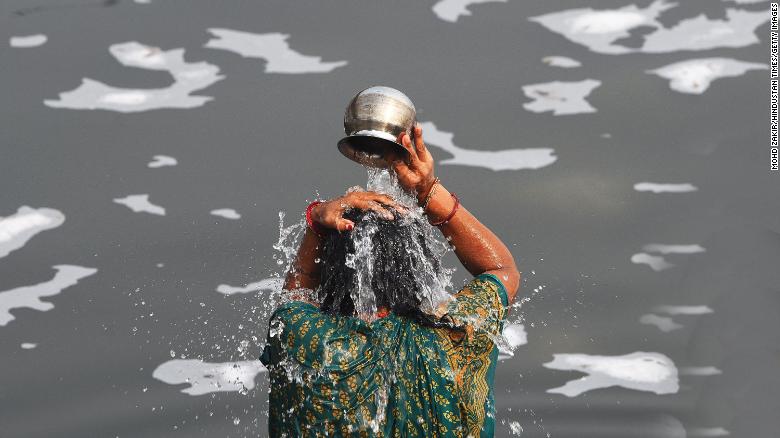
column 403, row 371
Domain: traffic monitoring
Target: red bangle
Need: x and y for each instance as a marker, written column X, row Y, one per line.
column 452, row 213
column 313, row 225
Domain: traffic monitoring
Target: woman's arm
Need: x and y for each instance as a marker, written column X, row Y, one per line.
column 305, row 271
column 476, row 246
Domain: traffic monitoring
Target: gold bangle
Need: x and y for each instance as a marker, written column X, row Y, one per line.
column 430, row 193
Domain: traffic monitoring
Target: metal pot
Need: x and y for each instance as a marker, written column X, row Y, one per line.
column 373, row 120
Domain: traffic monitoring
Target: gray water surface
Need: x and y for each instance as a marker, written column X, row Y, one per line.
column 138, row 215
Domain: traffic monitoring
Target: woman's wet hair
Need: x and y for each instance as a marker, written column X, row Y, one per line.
column 396, row 270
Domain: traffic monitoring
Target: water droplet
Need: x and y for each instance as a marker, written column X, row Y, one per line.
column 236, row 420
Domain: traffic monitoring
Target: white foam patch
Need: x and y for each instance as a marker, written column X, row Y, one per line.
column 265, row 285
column 562, row 98
column 684, row 310
column 507, row 159
column 664, row 187
column 708, row 432
column 30, row 296
column 273, row 48
column 188, row 78
column 28, row 345
column 642, row 371
column 695, row 76
column 561, row 61
column 700, row 371
column 657, row 263
column 227, row 213
column 673, row 249
column 207, row 377
column 162, row 161
column 27, row 41
column 140, row 204
column 451, row 10
column 598, row 30
column 663, row 323
column 20, row 227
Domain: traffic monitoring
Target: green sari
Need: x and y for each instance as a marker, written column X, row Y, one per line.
column 341, row 376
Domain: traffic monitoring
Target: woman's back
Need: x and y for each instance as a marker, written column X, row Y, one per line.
column 341, row 376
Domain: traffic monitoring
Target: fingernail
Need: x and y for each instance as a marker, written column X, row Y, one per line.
column 350, row 227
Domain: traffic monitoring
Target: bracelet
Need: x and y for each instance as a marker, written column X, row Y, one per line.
column 431, row 192
column 310, row 222
column 452, row 213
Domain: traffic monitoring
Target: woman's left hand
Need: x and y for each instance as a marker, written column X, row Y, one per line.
column 330, row 214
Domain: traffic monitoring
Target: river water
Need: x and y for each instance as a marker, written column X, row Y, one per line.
column 620, row 150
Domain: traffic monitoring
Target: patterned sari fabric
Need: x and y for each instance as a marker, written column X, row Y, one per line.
column 340, row 376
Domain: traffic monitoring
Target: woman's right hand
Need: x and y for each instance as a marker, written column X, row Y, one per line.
column 330, row 214
column 415, row 169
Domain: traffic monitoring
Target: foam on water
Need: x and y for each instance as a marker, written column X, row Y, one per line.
column 664, row 323
column 28, row 345
column 451, row 10
column 273, row 48
column 664, row 187
column 601, row 30
column 30, row 296
column 659, row 263
column 673, row 249
column 207, row 377
column 562, row 98
column 707, row 432
column 656, row 263
column 28, row 41
column 561, row 61
column 695, row 75
column 188, row 77
column 227, row 213
column 513, row 336
column 20, row 227
column 642, row 371
column 507, row 159
column 265, row 285
column 684, row 310
column 162, row 161
column 140, row 204
column 700, row 371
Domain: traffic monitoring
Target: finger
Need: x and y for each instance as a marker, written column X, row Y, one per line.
column 400, row 167
column 406, row 142
column 344, row 225
column 389, row 201
column 377, row 207
column 419, row 144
